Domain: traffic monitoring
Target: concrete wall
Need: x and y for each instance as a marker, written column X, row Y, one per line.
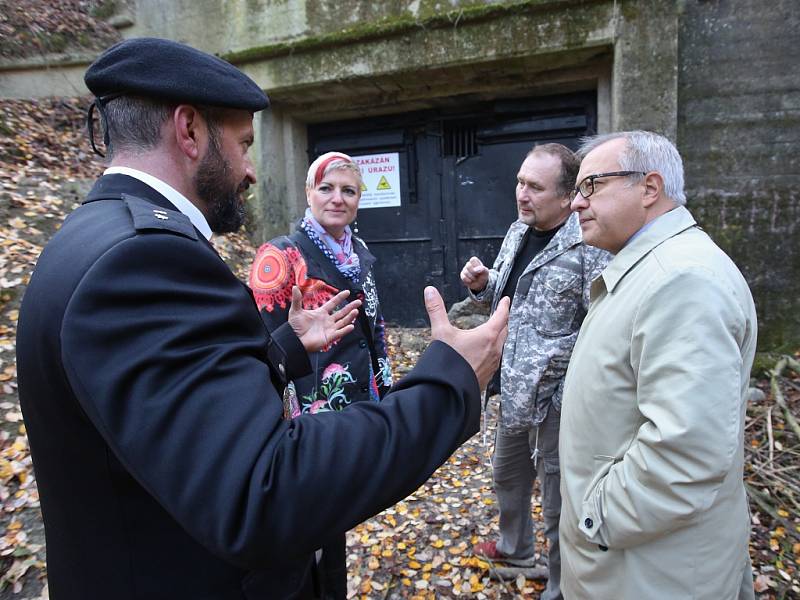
column 58, row 75
column 718, row 76
column 56, row 67
column 410, row 64
column 739, row 134
column 221, row 26
column 414, row 57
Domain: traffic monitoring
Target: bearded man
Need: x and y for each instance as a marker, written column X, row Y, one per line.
column 151, row 389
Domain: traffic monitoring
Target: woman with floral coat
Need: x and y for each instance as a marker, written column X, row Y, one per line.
column 323, row 257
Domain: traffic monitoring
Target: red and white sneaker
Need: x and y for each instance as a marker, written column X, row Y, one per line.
column 489, row 550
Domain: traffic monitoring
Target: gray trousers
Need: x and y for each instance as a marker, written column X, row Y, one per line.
column 514, row 472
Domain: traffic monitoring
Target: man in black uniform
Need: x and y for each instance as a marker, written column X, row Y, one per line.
column 148, row 381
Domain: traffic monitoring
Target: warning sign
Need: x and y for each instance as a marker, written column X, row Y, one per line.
column 381, row 174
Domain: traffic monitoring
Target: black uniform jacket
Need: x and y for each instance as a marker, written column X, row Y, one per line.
column 164, row 467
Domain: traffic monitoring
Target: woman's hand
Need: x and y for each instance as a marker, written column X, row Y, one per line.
column 318, row 327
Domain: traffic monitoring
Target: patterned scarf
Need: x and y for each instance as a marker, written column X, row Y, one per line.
column 339, row 252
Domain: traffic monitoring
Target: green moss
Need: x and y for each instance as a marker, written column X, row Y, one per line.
column 630, row 10
column 387, row 27
column 104, row 9
column 578, row 26
column 55, row 42
column 763, row 363
column 779, row 333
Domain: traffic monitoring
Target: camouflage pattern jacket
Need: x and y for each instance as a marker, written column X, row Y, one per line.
column 549, row 305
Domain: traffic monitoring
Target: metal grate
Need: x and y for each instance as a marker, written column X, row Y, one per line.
column 459, row 140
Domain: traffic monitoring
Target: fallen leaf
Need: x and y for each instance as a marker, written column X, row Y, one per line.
column 520, row 582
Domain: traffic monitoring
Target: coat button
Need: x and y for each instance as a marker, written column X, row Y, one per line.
column 603, row 548
column 362, row 343
column 282, row 370
column 365, row 388
column 588, row 523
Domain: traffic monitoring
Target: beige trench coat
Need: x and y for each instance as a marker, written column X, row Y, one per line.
column 652, row 425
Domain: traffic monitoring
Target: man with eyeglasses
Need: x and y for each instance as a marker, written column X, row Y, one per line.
column 654, row 399
column 546, row 270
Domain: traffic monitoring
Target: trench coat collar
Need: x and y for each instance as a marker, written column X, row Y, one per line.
column 662, row 228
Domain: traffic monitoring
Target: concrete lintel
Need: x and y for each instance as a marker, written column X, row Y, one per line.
column 402, row 92
column 408, row 21
column 44, row 75
column 40, row 82
column 47, row 61
column 535, row 34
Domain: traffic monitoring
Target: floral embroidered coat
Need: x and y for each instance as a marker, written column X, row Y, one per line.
column 346, row 371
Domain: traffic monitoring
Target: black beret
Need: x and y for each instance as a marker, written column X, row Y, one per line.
column 174, row 72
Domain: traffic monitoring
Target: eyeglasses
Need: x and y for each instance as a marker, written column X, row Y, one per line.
column 586, row 187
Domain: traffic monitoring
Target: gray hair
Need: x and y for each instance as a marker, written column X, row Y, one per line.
column 134, row 123
column 340, row 161
column 645, row 151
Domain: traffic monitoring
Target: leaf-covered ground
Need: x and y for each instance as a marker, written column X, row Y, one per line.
column 31, row 28
column 419, row 548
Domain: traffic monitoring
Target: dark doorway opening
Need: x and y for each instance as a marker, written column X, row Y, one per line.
column 457, row 176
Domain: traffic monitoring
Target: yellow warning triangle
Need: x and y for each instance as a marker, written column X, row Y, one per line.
column 363, row 187
column 383, row 184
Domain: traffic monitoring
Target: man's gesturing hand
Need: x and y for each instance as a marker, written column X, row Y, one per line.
column 481, row 347
column 318, row 327
column 475, row 275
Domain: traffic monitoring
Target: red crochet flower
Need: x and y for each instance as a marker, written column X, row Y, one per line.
column 274, row 273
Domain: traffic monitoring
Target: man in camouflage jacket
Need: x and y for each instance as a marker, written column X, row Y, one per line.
column 546, row 269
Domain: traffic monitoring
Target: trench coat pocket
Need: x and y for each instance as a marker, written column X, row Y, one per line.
column 602, row 464
column 591, row 518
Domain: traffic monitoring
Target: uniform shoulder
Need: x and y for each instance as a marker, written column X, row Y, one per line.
column 148, row 216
